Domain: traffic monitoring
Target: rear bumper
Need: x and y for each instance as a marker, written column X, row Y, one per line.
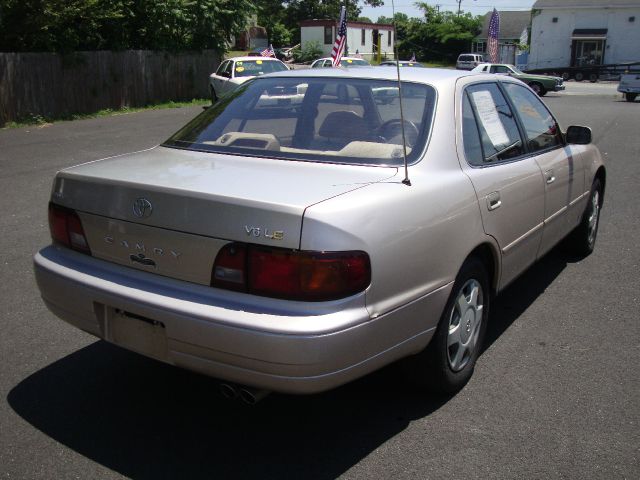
column 292, row 347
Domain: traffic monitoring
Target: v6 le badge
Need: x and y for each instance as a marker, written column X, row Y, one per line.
column 264, row 232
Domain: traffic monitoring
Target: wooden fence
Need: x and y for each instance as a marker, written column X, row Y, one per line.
column 53, row 85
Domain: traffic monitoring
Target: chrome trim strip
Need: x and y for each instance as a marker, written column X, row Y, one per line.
column 555, row 215
column 576, row 200
column 521, row 238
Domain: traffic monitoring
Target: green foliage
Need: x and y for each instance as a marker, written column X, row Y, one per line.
column 310, row 52
column 279, row 35
column 439, row 36
column 68, row 25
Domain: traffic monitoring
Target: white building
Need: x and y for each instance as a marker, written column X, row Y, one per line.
column 360, row 37
column 573, row 33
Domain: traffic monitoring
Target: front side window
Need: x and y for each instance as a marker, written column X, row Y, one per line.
column 495, row 124
column 541, row 129
column 336, row 120
column 499, row 69
column 222, row 68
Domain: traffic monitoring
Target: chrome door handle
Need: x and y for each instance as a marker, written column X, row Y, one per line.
column 493, row 200
column 550, row 177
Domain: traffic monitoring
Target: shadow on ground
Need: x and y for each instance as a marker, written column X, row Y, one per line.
column 144, row 419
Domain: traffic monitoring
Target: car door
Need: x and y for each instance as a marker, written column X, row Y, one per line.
column 219, row 79
column 562, row 170
column 226, row 83
column 508, row 182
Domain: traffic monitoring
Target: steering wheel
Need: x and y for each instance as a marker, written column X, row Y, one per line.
column 393, row 128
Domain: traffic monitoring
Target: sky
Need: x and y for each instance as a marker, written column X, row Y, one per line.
column 475, row 7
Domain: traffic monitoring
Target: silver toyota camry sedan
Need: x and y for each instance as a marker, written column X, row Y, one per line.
column 305, row 231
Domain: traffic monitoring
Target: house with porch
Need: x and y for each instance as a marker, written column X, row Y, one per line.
column 362, row 37
column 575, row 33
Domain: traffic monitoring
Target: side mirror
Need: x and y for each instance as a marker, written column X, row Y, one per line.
column 578, row 135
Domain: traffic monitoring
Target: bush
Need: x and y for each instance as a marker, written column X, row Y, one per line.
column 309, row 53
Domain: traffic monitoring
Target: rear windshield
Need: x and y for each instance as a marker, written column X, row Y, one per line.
column 252, row 68
column 466, row 58
column 337, row 120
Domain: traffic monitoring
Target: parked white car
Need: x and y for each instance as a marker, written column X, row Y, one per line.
column 282, row 247
column 344, row 62
column 235, row 71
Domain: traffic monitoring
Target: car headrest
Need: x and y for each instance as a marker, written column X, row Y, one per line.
column 343, row 124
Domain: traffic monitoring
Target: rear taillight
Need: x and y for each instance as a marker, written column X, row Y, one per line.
column 66, row 228
column 291, row 274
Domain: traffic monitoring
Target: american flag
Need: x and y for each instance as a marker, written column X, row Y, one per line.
column 494, row 32
column 341, row 39
column 268, row 52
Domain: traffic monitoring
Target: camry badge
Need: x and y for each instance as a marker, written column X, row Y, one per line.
column 142, row 208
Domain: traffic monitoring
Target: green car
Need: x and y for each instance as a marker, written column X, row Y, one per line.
column 541, row 84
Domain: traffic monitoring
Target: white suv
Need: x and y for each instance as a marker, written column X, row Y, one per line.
column 469, row 61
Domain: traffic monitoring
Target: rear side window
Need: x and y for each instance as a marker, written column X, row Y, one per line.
column 541, row 129
column 494, row 123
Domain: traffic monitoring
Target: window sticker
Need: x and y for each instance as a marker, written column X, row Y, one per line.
column 259, row 62
column 489, row 117
column 239, row 69
column 238, row 63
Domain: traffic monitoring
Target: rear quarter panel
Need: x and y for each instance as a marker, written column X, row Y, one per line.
column 416, row 236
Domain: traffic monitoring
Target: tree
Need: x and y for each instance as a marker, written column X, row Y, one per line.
column 67, row 25
column 289, row 13
column 439, row 35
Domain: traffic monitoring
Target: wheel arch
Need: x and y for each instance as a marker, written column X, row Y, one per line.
column 488, row 255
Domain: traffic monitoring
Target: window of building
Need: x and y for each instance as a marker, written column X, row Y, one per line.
column 362, row 37
column 328, row 35
column 389, row 37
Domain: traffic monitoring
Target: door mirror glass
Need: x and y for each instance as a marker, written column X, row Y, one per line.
column 578, row 135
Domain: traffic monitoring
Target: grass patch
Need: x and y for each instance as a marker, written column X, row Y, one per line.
column 34, row 119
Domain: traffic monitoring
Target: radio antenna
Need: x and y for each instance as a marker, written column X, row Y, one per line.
column 406, row 180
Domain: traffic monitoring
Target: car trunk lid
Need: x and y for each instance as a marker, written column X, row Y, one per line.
column 170, row 211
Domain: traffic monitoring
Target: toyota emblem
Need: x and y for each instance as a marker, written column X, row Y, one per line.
column 142, row 208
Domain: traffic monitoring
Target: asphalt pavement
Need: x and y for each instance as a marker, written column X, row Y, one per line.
column 555, row 394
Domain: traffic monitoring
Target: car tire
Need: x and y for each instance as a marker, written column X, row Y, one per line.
column 446, row 364
column 593, row 77
column 214, row 97
column 579, row 76
column 538, row 88
column 583, row 239
column 630, row 97
column 566, row 76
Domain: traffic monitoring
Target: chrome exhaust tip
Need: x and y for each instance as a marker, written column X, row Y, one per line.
column 228, row 391
column 251, row 396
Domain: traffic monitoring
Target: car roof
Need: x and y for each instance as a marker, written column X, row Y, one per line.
column 495, row 64
column 254, row 58
column 342, row 58
column 432, row 76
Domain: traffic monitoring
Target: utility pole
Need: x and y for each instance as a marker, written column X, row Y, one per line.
column 459, row 2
